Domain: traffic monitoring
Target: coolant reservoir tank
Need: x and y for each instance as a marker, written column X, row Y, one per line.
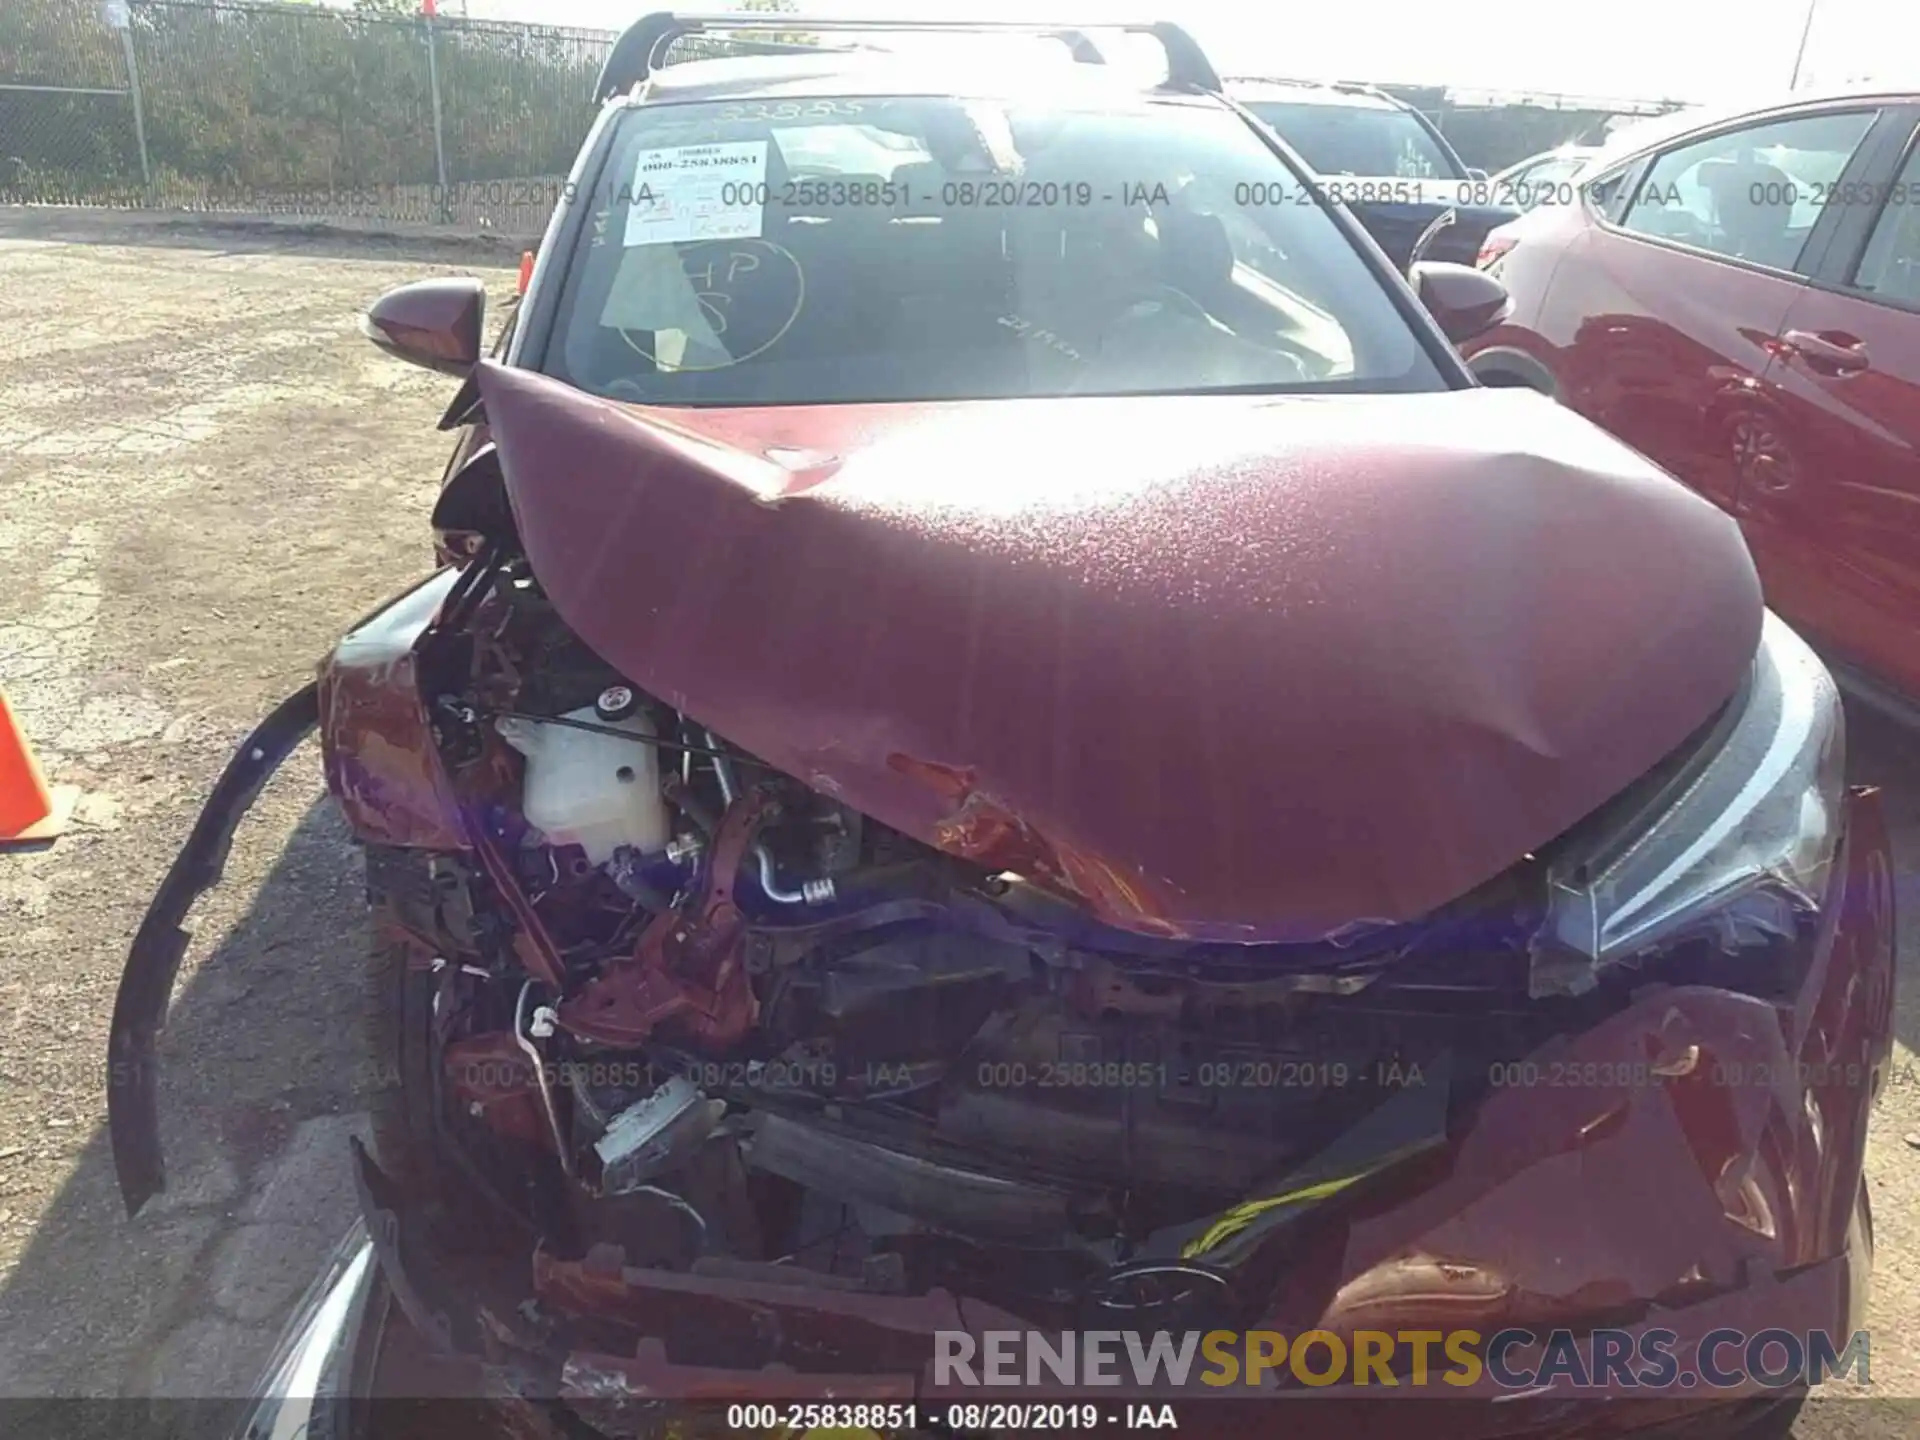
column 590, row 789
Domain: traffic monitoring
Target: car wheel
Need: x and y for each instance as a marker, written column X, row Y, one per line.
column 1761, row 456
column 398, row 1016
column 1502, row 380
column 1508, row 369
column 417, row 1140
column 1774, row 1421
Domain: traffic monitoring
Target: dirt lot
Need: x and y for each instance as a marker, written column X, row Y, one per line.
column 205, row 475
column 208, row 474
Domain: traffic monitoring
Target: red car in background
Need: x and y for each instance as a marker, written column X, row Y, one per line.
column 1739, row 299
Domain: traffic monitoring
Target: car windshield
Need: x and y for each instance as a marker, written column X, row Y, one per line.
column 1358, row 140
column 891, row 249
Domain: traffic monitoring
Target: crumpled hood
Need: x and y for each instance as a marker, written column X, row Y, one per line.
column 1231, row 668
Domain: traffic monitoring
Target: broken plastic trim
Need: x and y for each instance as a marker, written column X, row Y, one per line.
column 465, row 408
column 140, row 1007
column 474, row 500
column 380, row 1209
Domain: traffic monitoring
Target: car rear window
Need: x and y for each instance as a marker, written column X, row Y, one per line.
column 877, row 249
column 1548, row 183
column 1358, row 140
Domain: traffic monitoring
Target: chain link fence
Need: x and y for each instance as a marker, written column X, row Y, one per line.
column 66, row 109
column 301, row 110
column 309, row 110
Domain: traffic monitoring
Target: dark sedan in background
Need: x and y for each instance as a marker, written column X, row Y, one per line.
column 1386, row 160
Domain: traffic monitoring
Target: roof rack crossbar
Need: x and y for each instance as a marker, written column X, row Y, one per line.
column 1344, row 87
column 642, row 47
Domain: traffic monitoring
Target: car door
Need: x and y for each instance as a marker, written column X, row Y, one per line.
column 1833, row 517
column 1665, row 309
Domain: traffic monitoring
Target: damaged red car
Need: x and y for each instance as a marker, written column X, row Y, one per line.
column 1006, row 739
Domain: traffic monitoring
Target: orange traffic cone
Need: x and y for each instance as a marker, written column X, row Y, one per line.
column 29, row 810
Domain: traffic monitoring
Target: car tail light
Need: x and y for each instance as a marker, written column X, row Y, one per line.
column 1493, row 248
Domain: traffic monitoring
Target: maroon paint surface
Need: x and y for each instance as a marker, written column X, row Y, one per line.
column 436, row 323
column 376, row 741
column 1794, row 406
column 1231, row 668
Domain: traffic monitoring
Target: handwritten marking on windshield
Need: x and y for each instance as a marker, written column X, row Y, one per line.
column 711, row 284
column 1027, row 330
column 792, row 110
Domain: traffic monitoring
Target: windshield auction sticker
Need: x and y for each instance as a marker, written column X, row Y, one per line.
column 694, row 192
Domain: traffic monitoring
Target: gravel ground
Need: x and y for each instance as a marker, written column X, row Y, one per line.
column 206, row 474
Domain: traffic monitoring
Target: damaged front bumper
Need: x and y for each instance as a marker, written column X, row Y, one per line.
column 1690, row 1163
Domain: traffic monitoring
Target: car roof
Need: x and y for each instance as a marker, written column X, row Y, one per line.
column 1579, row 156
column 1559, row 152
column 1310, row 92
column 998, row 74
column 1635, row 140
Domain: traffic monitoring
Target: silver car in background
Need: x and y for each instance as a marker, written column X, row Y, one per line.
column 1548, row 178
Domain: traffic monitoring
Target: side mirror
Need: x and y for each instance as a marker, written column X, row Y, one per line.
column 1467, row 302
column 1474, row 172
column 435, row 323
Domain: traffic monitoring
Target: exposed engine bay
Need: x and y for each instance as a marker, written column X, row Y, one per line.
column 824, row 902
column 697, row 1080
column 690, row 1015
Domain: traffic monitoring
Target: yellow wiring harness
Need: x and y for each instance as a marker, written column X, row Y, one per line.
column 1243, row 1215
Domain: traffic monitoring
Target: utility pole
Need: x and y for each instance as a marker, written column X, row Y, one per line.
column 1800, row 55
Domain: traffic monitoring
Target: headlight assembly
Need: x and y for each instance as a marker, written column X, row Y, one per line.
column 1742, row 844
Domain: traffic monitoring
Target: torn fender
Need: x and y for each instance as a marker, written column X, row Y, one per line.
column 140, row 1008
column 376, row 739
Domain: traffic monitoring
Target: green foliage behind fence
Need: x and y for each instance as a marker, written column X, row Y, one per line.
column 239, row 98
column 247, row 99
column 331, row 110
column 58, row 42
